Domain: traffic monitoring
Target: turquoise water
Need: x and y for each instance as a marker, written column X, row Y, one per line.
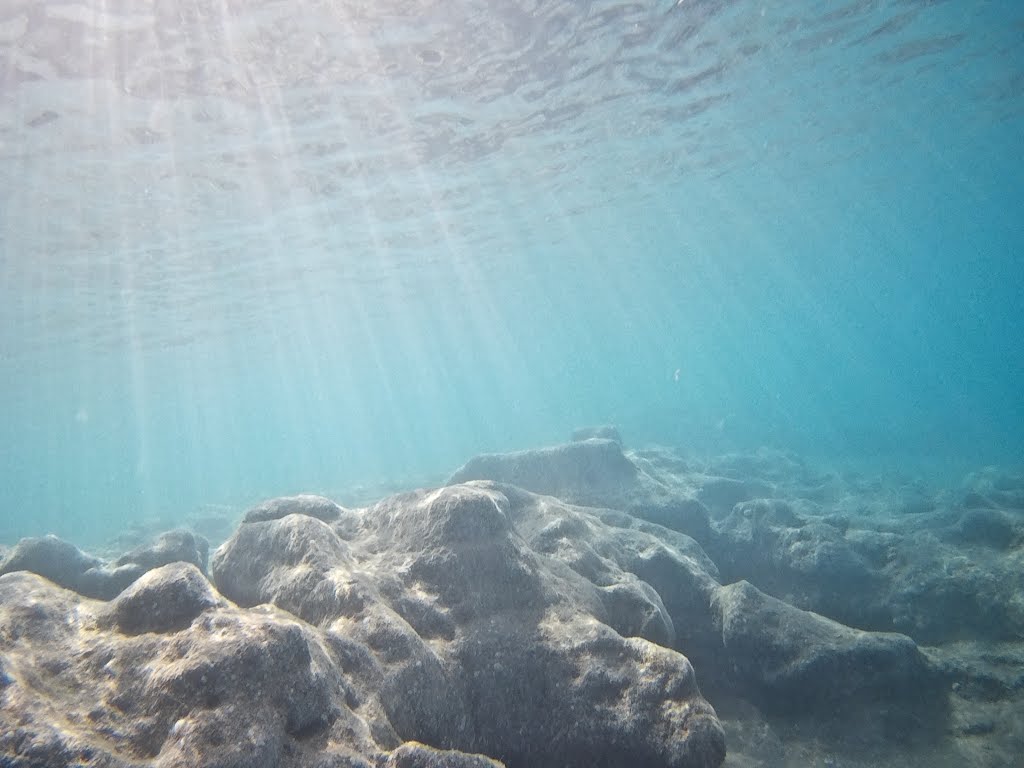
column 253, row 249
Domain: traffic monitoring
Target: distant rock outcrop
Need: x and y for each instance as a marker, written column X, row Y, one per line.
column 595, row 472
column 797, row 661
column 583, row 471
column 64, row 564
column 947, row 574
column 604, row 432
column 304, row 504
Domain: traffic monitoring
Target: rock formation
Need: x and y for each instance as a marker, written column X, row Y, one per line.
column 572, row 606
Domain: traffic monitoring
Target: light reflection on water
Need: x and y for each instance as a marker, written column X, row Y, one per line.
column 272, row 247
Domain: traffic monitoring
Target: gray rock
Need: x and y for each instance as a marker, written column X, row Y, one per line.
column 231, row 688
column 166, row 599
column 52, row 558
column 493, row 623
column 177, row 546
column 467, row 638
column 656, row 582
column 941, row 593
column 66, row 565
column 604, row 432
column 679, row 572
column 576, row 472
column 595, row 472
column 679, row 513
column 305, row 504
column 792, row 551
column 415, row 755
column 107, row 581
column 799, row 662
column 987, row 527
column 982, row 673
column 270, row 556
column 721, row 494
column 765, row 465
column 937, row 576
column 878, row 553
column 993, row 487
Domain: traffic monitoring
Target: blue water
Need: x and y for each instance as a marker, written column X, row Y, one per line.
column 305, row 247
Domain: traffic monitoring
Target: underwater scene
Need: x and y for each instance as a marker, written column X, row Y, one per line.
column 525, row 383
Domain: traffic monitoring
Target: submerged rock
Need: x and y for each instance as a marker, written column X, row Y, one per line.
column 604, row 432
column 797, row 661
column 470, row 639
column 55, row 559
column 177, row 546
column 880, row 555
column 581, row 471
column 993, row 487
column 228, row 687
column 595, row 472
column 416, row 755
column 165, row 599
column 721, row 494
column 305, row 504
column 66, row 565
column 434, row 621
column 987, row 527
column 482, row 624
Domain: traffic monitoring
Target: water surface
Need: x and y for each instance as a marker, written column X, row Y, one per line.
column 255, row 248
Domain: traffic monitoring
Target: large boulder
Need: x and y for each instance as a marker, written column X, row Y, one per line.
column 865, row 692
column 470, row 639
column 797, row 661
column 310, row 505
column 166, row 599
column 64, row 564
column 177, row 546
column 582, row 471
column 167, row 675
column 596, row 472
column 948, row 573
column 55, row 559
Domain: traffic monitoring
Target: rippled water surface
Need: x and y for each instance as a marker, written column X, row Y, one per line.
column 250, row 248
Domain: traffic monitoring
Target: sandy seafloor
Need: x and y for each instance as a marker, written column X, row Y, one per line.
column 772, row 557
